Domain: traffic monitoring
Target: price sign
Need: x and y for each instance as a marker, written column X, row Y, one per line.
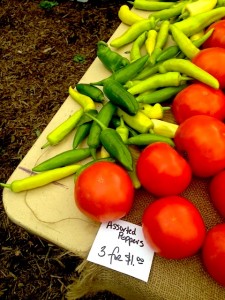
column 120, row 245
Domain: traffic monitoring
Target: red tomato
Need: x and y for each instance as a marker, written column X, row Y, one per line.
column 212, row 61
column 162, row 171
column 173, row 227
column 213, row 253
column 202, row 139
column 217, row 38
column 198, row 99
column 217, row 192
column 104, row 192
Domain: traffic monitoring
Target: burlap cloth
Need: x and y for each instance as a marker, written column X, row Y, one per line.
column 169, row 279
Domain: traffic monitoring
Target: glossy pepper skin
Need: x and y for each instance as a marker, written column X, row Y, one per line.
column 120, row 97
column 113, row 143
column 112, row 60
column 63, row 159
column 40, row 179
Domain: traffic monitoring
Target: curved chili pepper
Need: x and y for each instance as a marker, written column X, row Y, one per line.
column 127, row 16
column 160, row 95
column 173, row 11
column 183, row 42
column 151, row 5
column 132, row 33
column 140, row 122
column 86, row 102
column 161, row 40
column 40, row 179
column 158, row 80
column 144, row 139
column 119, row 96
column 194, row 24
column 174, row 50
column 187, row 67
column 104, row 116
column 91, row 91
column 83, row 128
column 60, row 132
column 113, row 143
column 126, row 73
column 135, row 51
column 112, row 60
column 63, row 159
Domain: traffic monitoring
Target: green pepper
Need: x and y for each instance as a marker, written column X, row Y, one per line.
column 164, row 128
column 112, row 60
column 160, row 95
column 40, row 179
column 119, row 96
column 157, row 81
column 132, row 33
column 187, row 67
column 145, row 139
column 126, row 73
column 83, row 128
column 60, row 132
column 63, row 159
column 113, row 143
column 196, row 23
column 104, row 116
column 148, row 71
column 91, row 91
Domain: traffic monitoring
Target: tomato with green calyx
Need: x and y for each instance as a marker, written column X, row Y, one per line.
column 104, row 192
column 202, row 140
column 217, row 192
column 217, row 38
column 198, row 99
column 213, row 253
column 173, row 227
column 212, row 61
column 162, row 171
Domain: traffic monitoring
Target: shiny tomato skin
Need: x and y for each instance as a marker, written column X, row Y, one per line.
column 213, row 253
column 212, row 61
column 202, row 139
column 162, row 171
column 198, row 99
column 217, row 38
column 217, row 192
column 104, row 192
column 173, row 227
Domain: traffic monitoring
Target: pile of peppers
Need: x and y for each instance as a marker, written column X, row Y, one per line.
column 132, row 98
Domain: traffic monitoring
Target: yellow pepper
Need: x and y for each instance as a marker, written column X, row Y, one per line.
column 127, row 16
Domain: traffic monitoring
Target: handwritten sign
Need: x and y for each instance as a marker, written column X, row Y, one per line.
column 120, row 245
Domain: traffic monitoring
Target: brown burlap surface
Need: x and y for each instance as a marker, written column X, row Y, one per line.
column 169, row 279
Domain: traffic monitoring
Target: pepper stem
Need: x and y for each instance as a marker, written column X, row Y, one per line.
column 103, row 127
column 5, row 185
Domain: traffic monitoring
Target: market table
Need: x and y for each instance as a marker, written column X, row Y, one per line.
column 50, row 212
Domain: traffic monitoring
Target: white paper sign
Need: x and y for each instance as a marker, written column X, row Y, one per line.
column 120, row 245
